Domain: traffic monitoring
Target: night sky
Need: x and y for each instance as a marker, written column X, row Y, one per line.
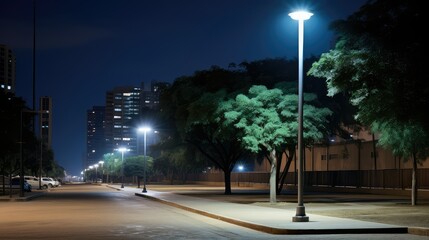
column 87, row 47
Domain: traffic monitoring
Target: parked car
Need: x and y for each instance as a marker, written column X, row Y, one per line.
column 15, row 183
column 57, row 183
column 47, row 182
column 34, row 181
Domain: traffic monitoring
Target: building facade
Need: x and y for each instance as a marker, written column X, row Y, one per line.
column 150, row 99
column 115, row 125
column 95, row 137
column 7, row 69
column 45, row 120
column 122, row 115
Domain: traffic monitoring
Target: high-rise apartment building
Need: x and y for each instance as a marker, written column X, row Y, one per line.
column 95, row 137
column 122, row 115
column 115, row 125
column 7, row 69
column 45, row 120
column 150, row 99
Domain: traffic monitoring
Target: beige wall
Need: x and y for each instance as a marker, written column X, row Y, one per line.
column 346, row 156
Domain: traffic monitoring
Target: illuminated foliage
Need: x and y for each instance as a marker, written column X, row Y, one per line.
column 267, row 119
column 380, row 61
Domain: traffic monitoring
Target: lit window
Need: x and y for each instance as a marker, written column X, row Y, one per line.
column 116, row 116
column 126, row 139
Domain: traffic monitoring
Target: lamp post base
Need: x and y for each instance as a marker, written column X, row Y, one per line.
column 144, row 190
column 300, row 219
column 300, row 215
column 122, row 185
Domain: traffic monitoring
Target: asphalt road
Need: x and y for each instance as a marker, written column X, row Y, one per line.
column 99, row 212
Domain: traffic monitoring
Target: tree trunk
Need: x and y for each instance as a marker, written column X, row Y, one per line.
column 227, row 179
column 282, row 179
column 273, row 184
column 414, row 182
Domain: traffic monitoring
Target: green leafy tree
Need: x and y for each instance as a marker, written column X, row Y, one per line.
column 112, row 166
column 380, row 61
column 267, row 119
column 176, row 163
column 177, row 159
column 192, row 103
column 136, row 166
column 406, row 140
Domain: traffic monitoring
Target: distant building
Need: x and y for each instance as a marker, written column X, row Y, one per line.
column 45, row 122
column 115, row 125
column 149, row 107
column 122, row 115
column 95, row 136
column 150, row 99
column 7, row 69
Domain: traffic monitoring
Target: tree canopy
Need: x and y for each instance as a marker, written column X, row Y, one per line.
column 268, row 121
column 379, row 60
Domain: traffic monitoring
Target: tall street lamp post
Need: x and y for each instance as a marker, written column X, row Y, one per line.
column 96, row 174
column 102, row 170
column 300, row 16
column 144, row 130
column 122, row 150
column 21, row 163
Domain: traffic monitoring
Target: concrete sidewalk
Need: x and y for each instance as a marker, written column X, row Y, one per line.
column 265, row 219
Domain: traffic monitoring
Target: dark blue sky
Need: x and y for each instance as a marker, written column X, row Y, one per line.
column 87, row 47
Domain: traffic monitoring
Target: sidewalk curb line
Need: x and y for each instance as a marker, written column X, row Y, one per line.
column 21, row 199
column 421, row 231
column 280, row 231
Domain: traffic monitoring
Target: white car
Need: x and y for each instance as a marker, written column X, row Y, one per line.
column 33, row 181
column 48, row 182
column 57, row 183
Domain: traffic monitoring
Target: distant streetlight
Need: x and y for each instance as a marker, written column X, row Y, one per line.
column 102, row 173
column 90, row 174
column 96, row 175
column 122, row 150
column 144, row 130
column 300, row 16
column 84, row 178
